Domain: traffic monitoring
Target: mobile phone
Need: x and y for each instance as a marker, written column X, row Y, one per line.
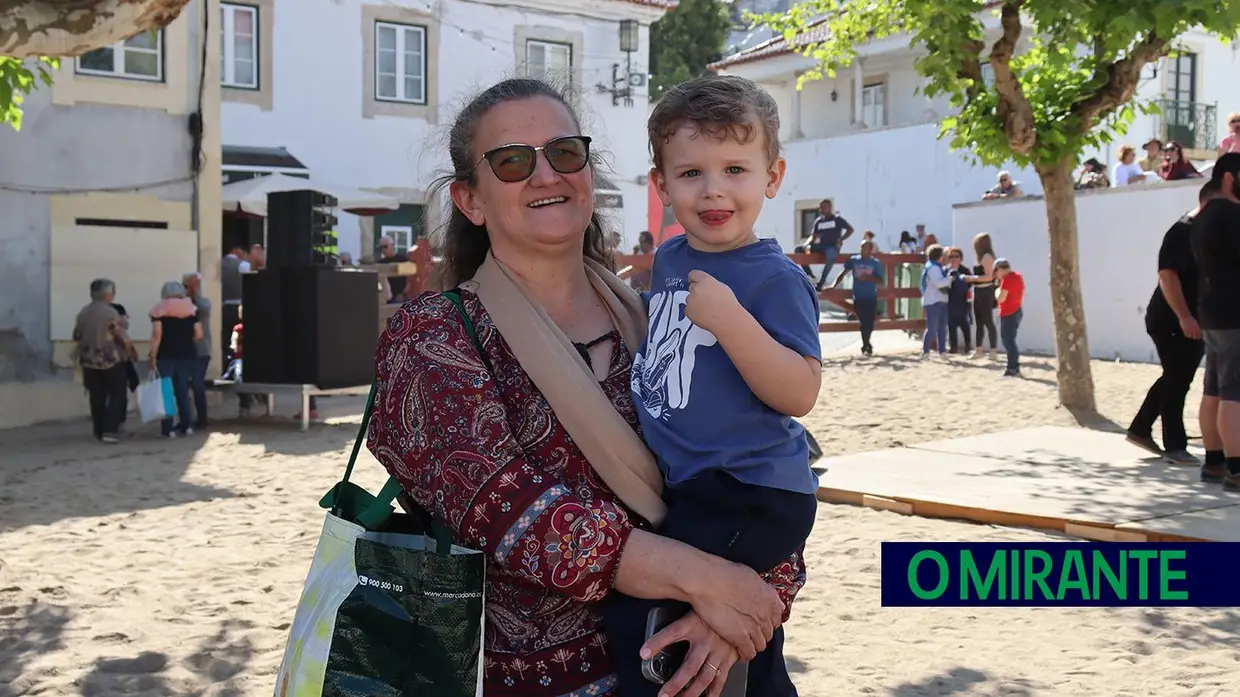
column 660, row 667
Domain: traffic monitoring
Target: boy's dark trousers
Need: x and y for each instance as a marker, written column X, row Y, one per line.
column 867, row 310
column 757, row 526
column 1008, row 327
column 958, row 319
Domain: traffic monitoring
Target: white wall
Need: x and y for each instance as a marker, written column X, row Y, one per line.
column 885, row 180
column 317, row 113
column 1120, row 231
column 87, row 134
column 823, row 118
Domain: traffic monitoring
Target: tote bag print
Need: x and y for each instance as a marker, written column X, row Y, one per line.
column 386, row 614
column 387, row 608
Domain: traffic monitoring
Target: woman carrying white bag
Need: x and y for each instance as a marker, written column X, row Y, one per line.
column 175, row 327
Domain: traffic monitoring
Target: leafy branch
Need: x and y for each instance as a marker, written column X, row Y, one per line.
column 18, row 78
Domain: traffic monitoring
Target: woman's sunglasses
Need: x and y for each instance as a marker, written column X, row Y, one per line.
column 516, row 162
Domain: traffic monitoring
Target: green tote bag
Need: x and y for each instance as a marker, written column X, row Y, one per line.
column 391, row 606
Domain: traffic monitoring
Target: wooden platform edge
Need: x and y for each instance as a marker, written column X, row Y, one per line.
column 1093, row 531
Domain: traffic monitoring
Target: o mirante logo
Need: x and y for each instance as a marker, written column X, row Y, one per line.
column 1197, row 574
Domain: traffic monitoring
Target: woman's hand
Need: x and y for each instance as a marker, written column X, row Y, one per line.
column 732, row 599
column 735, row 602
column 706, row 665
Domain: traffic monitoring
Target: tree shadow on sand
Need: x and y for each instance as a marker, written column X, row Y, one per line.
column 1194, row 630
column 74, row 477
column 961, row 680
column 26, row 632
column 219, row 662
column 280, row 433
column 898, row 362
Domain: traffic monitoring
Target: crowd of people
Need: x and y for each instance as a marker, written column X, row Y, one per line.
column 960, row 301
column 180, row 351
column 1193, row 313
column 1162, row 162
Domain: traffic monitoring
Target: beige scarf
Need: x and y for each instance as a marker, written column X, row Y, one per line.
column 617, row 454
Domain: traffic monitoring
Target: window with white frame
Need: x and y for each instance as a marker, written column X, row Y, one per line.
column 548, row 60
column 239, row 46
column 401, row 236
column 140, row 57
column 400, row 63
column 873, row 105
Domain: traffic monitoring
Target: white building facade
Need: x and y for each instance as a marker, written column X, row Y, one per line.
column 115, row 174
column 373, row 108
column 868, row 139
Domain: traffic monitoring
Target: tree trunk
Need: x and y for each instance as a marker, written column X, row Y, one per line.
column 31, row 28
column 1076, row 381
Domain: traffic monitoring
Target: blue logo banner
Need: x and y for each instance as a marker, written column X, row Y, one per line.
column 1063, row 574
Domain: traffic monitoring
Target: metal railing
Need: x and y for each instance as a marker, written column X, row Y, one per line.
column 1193, row 124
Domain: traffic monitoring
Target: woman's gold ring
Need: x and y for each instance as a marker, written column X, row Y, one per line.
column 712, row 667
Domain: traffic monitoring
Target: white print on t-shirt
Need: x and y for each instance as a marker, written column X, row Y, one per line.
column 663, row 376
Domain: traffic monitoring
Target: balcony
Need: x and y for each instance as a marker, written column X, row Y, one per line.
column 1193, row 124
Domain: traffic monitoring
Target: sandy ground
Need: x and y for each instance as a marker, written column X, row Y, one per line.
column 162, row 568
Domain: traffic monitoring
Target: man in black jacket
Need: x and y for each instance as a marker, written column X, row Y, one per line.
column 1171, row 321
column 1216, row 248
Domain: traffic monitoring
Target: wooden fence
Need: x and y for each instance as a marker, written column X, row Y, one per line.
column 421, row 263
column 888, row 292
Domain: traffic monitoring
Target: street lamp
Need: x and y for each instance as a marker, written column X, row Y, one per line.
column 622, row 85
column 628, row 35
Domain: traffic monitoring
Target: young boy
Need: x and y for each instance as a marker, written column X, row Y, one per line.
column 1011, row 296
column 732, row 355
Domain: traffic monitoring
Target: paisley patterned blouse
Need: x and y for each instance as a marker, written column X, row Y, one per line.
column 485, row 453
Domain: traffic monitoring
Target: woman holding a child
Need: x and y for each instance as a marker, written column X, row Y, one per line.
column 514, row 416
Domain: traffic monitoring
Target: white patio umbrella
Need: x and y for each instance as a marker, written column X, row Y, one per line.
column 250, row 195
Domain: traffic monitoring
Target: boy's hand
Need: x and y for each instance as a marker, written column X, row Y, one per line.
column 711, row 303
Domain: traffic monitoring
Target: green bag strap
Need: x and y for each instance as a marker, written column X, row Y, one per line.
column 361, row 432
column 382, row 506
column 455, row 296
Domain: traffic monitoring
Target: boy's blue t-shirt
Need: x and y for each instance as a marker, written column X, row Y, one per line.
column 864, row 272
column 696, row 411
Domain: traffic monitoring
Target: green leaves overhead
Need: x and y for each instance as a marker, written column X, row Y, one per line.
column 1065, row 71
column 686, row 40
column 19, row 78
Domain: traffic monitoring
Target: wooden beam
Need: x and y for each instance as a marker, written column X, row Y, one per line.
column 1100, row 532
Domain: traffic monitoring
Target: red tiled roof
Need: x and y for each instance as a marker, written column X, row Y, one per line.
column 662, row 4
column 816, row 32
column 777, row 46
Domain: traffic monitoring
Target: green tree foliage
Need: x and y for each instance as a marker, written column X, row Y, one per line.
column 19, row 78
column 686, row 40
column 1065, row 72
